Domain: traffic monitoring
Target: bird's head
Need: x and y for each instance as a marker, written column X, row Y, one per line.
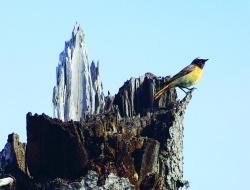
column 200, row 62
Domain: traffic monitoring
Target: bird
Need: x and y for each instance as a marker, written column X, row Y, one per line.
column 187, row 77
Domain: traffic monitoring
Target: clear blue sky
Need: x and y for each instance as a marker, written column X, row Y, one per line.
column 131, row 38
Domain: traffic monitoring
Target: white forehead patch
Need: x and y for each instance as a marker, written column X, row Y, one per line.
column 200, row 58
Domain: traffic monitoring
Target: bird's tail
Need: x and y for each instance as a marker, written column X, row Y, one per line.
column 161, row 92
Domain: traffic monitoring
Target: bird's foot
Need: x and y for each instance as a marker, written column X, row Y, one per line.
column 192, row 89
column 189, row 88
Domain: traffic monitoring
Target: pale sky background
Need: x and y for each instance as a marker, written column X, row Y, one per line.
column 131, row 38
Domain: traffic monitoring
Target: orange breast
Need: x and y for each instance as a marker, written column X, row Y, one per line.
column 189, row 79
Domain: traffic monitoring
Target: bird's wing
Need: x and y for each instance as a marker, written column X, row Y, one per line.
column 167, row 85
column 183, row 72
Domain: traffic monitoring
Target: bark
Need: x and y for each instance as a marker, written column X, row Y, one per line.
column 137, row 143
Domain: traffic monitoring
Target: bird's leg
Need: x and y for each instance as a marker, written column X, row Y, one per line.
column 182, row 89
column 190, row 89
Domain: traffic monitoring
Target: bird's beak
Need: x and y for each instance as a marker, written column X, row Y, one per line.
column 205, row 60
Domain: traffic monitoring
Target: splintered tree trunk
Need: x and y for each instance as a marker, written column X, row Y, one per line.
column 136, row 96
column 171, row 155
column 138, row 142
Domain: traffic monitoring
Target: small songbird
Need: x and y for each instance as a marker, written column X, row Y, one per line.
column 185, row 78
